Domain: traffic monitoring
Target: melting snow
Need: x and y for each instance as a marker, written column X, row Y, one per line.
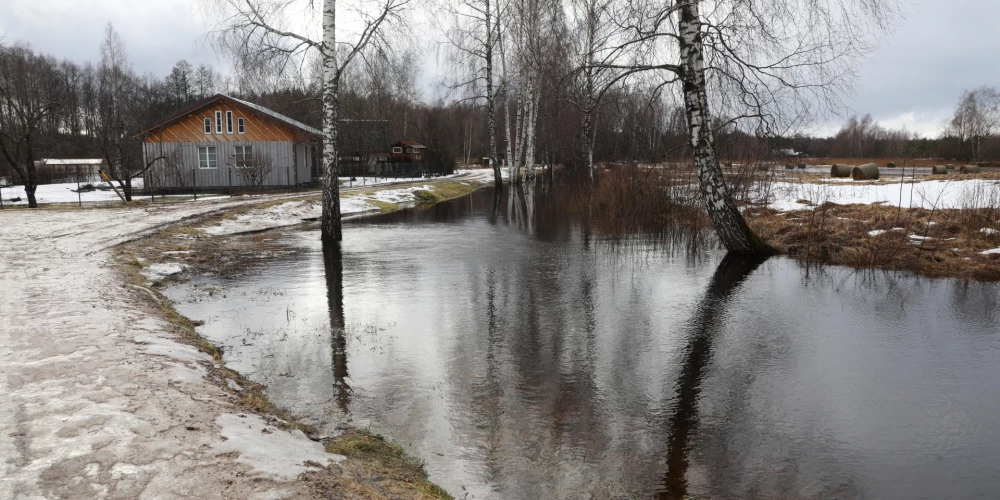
column 270, row 451
column 160, row 271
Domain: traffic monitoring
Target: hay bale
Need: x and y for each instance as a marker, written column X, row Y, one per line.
column 890, row 165
column 970, row 169
column 866, row 172
column 939, row 170
column 802, row 166
column 840, row 171
column 950, row 166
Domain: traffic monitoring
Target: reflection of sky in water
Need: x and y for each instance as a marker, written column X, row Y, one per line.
column 535, row 366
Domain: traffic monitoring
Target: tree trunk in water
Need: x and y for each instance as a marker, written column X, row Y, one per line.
column 490, row 98
column 731, row 227
column 331, row 228
column 531, row 134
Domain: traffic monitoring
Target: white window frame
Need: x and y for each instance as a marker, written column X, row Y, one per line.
column 229, row 122
column 240, row 126
column 397, row 150
column 242, row 155
column 208, row 126
column 210, row 160
column 218, row 122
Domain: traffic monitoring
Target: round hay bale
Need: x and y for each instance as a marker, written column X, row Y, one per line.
column 789, row 166
column 950, row 166
column 802, row 166
column 970, row 169
column 840, row 171
column 939, row 170
column 890, row 165
column 866, row 172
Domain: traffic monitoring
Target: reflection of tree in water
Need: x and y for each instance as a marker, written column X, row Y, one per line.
column 334, row 264
column 732, row 271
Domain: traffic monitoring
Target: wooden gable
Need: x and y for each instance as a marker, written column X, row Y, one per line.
column 191, row 127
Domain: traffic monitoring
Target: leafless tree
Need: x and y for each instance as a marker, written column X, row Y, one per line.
column 976, row 117
column 254, row 169
column 119, row 115
column 25, row 104
column 475, row 36
column 766, row 64
column 262, row 35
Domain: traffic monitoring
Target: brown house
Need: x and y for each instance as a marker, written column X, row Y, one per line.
column 407, row 152
column 206, row 144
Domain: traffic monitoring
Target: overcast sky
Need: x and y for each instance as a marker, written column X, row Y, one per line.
column 914, row 79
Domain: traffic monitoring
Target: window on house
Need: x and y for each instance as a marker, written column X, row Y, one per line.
column 218, row 122
column 207, row 157
column 397, row 150
column 240, row 128
column 243, row 155
column 208, row 126
column 229, row 122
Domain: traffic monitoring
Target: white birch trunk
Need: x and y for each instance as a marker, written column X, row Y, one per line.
column 331, row 223
column 491, row 99
column 531, row 132
column 729, row 223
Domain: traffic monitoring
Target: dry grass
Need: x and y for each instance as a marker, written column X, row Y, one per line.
column 375, row 469
column 943, row 243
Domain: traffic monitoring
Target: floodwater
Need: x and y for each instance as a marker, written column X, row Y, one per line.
column 519, row 357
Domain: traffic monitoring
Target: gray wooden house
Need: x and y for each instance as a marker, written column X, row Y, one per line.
column 207, row 145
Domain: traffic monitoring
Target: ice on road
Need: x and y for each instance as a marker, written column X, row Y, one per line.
column 98, row 398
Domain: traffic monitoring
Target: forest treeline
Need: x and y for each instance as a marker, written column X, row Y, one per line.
column 380, row 104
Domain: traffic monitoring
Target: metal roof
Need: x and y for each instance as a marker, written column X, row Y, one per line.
column 87, row 161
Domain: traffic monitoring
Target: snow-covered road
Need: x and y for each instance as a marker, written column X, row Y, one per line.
column 98, row 399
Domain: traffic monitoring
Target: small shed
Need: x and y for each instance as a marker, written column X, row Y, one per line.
column 61, row 171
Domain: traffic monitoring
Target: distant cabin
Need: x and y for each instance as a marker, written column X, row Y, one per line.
column 205, row 145
column 61, row 171
column 407, row 152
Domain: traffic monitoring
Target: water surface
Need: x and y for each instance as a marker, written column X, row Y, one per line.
column 520, row 357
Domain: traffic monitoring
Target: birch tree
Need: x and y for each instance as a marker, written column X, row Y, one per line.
column 766, row 64
column 474, row 37
column 273, row 35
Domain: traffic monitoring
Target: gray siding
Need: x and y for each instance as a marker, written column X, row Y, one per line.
column 285, row 165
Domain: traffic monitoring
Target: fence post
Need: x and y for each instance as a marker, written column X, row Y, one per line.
column 230, row 182
column 79, row 196
column 288, row 176
column 194, row 184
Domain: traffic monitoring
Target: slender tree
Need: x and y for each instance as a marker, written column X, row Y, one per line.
column 256, row 33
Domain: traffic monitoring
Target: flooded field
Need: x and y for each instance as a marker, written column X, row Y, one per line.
column 519, row 357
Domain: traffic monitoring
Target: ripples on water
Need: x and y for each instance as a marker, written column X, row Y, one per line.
column 519, row 356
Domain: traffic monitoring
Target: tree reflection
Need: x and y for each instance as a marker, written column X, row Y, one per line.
column 732, row 271
column 334, row 264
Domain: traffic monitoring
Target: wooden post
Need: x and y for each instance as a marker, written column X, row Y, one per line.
column 194, row 184
column 79, row 197
column 230, row 182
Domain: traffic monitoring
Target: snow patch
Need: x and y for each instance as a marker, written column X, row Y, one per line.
column 991, row 251
column 159, row 271
column 270, row 451
column 929, row 194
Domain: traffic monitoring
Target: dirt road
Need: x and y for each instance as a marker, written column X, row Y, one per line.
column 97, row 400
